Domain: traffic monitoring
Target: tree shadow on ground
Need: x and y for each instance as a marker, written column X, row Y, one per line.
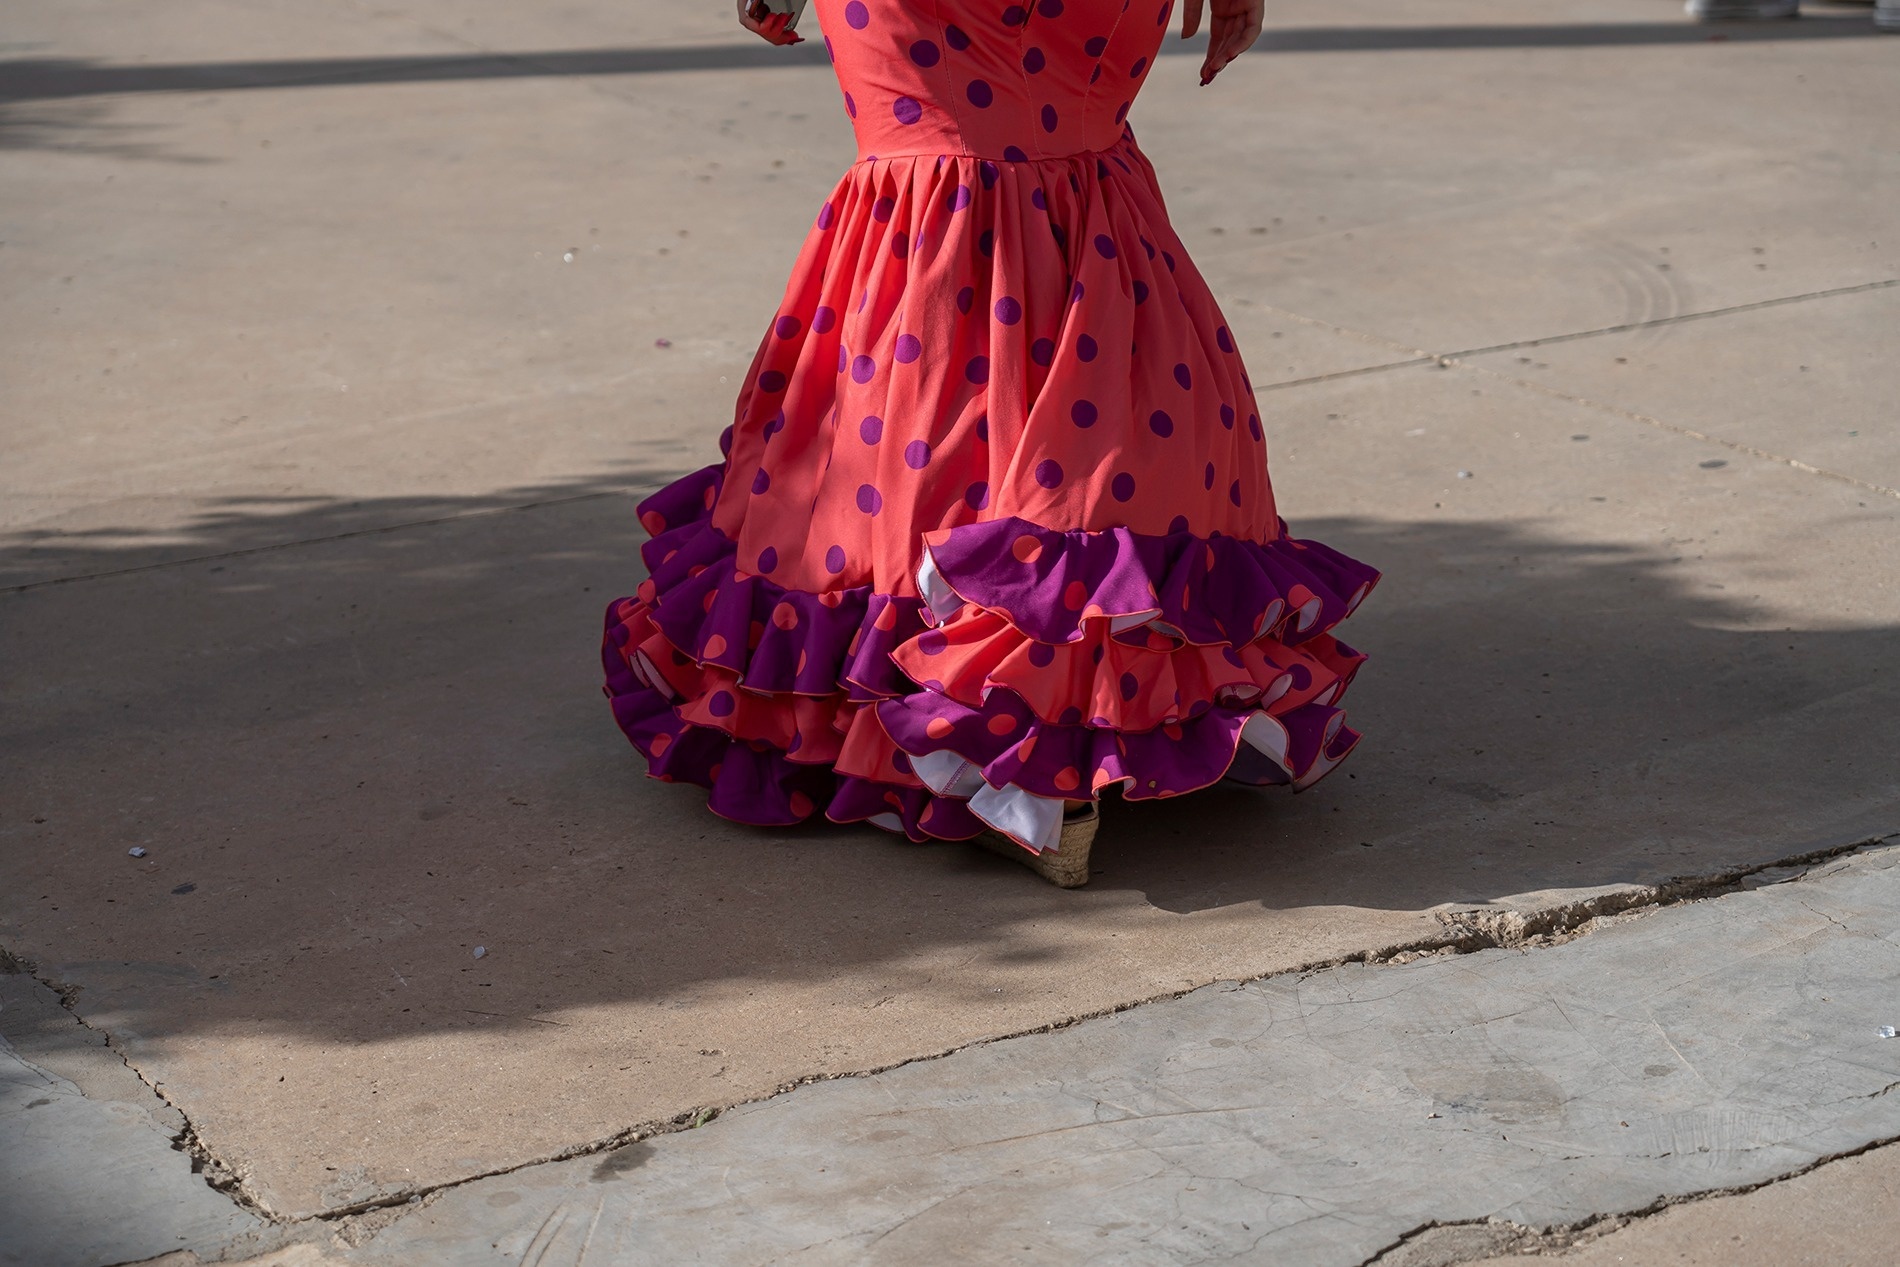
column 354, row 751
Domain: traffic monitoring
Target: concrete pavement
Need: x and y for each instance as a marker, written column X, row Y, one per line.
column 319, row 460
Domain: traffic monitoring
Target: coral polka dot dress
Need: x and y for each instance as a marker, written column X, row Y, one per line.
column 993, row 529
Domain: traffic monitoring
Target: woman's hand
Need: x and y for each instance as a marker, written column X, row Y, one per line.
column 771, row 28
column 1232, row 29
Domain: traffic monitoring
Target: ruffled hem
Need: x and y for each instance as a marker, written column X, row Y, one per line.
column 1182, row 661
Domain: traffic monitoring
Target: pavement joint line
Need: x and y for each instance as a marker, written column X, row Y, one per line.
column 1530, row 1241
column 1680, row 318
column 1465, row 932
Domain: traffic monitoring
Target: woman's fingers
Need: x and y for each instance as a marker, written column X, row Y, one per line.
column 1234, row 28
column 1191, row 19
column 770, row 28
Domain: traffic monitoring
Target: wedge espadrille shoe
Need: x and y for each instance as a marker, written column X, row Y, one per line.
column 1066, row 866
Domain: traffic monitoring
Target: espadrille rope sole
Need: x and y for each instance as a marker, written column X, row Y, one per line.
column 1066, row 866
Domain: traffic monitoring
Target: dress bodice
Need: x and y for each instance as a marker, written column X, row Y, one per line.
column 991, row 78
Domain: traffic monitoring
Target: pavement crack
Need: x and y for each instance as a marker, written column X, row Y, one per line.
column 206, row 1164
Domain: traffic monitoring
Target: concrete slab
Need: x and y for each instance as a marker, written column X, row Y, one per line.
column 369, row 756
column 91, row 1168
column 1315, row 1120
column 1843, row 1214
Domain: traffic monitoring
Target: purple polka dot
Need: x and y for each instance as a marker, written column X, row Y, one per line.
column 1161, row 18
column 825, row 216
column 823, row 320
column 1096, row 46
column 851, row 105
column 1041, row 654
column 721, row 704
column 1141, row 64
column 1160, row 423
column 1034, row 61
column 857, row 15
column 1207, row 477
column 771, row 381
column 977, row 369
column 1130, row 684
column 1075, row 293
column 900, row 246
column 871, row 430
column 775, row 424
column 1015, row 15
column 1183, row 375
column 917, row 455
column 870, row 501
column 1008, row 311
column 862, row 368
column 1121, row 111
column 1050, row 8
column 1123, row 486
column 1146, row 245
column 955, row 38
column 1071, row 716
column 1085, row 348
column 1083, row 413
column 1013, row 155
column 834, row 560
column 760, row 482
column 960, row 199
column 932, row 642
column 1095, row 73
column 983, row 428
column 1233, row 657
column 1043, row 351
column 1224, row 339
column 1141, row 291
column 909, row 348
column 1253, row 426
column 1227, row 416
column 965, row 299
column 1168, row 259
column 725, row 442
column 768, row 559
column 844, row 358
column 1233, row 492
column 1048, row 118
column 980, row 94
column 989, row 172
column 1049, row 473
column 1038, row 200
column 977, row 495
column 1177, row 524
column 924, row 53
column 786, row 326
column 907, row 109
column 882, row 208
column 1105, row 246
column 798, row 741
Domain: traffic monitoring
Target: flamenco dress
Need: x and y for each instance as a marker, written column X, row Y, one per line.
column 993, row 528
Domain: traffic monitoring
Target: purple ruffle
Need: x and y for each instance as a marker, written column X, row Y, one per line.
column 1012, row 746
column 1206, row 591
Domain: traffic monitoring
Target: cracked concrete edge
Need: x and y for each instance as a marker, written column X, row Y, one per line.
column 1450, row 1244
column 1466, row 931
